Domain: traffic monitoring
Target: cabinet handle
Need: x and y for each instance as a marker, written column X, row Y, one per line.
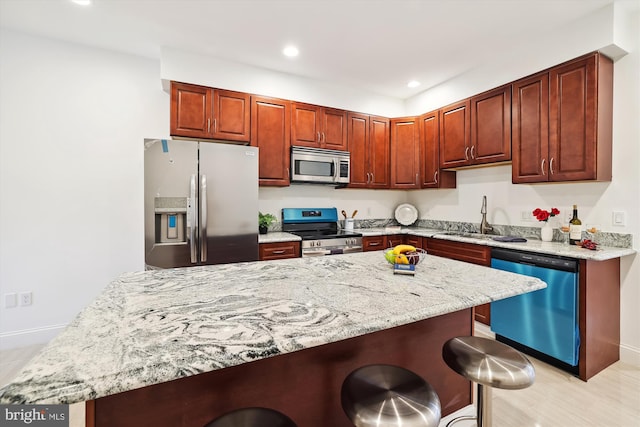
column 215, row 125
column 551, row 166
column 435, row 177
column 208, row 125
column 372, row 177
column 466, row 153
column 374, row 243
column 542, row 166
column 280, row 252
column 417, row 179
column 319, row 137
column 368, row 178
column 473, row 156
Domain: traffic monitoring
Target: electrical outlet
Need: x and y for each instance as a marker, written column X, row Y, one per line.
column 10, row 300
column 26, row 298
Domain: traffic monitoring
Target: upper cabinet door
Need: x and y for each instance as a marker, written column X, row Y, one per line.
column 358, row 144
column 202, row 112
column 530, row 129
column 379, row 152
column 334, row 129
column 405, row 153
column 318, row 127
column 231, row 115
column 455, row 144
column 305, row 125
column 190, row 110
column 491, row 126
column 270, row 127
column 580, row 125
column 431, row 175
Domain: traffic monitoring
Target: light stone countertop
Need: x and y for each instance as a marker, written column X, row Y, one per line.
column 277, row 236
column 156, row 326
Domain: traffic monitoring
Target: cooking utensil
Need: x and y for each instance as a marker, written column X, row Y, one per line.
column 344, row 214
column 353, row 215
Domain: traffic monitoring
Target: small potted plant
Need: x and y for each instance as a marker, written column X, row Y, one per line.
column 264, row 221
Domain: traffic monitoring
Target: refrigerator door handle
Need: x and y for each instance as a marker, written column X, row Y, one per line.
column 192, row 220
column 203, row 218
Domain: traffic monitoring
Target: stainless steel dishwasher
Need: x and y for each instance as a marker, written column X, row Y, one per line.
column 542, row 323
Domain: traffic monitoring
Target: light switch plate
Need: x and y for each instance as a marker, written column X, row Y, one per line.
column 619, row 218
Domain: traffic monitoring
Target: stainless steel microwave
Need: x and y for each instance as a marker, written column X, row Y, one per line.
column 316, row 165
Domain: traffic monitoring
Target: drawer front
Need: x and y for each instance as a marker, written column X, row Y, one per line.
column 414, row 241
column 279, row 250
column 468, row 252
column 374, row 243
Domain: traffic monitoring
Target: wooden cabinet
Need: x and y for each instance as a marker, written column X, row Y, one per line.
column 368, row 144
column 318, row 127
column 430, row 173
column 467, row 252
column 455, row 135
column 279, row 250
column 202, row 112
column 412, row 240
column 562, row 122
column 491, row 126
column 270, row 132
column 477, row 130
column 374, row 243
column 405, row 153
column 394, row 240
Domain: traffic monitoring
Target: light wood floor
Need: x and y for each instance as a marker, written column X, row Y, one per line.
column 557, row 399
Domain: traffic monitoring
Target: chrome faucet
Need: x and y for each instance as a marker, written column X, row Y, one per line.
column 484, row 225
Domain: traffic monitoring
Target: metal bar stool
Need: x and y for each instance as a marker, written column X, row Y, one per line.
column 252, row 417
column 386, row 395
column 488, row 363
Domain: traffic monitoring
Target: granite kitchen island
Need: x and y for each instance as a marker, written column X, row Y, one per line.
column 179, row 347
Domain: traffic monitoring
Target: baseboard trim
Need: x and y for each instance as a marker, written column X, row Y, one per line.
column 26, row 337
column 630, row 355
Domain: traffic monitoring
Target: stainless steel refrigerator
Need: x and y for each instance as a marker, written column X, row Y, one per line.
column 201, row 203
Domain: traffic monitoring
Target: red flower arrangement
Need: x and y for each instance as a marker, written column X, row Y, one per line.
column 545, row 215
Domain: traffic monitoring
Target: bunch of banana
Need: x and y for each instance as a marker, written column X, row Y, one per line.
column 400, row 250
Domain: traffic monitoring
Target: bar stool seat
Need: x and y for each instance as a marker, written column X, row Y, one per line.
column 386, row 395
column 488, row 363
column 252, row 417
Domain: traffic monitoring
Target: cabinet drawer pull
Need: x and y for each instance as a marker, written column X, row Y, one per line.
column 435, row 177
column 551, row 166
column 466, row 153
column 280, row 252
column 542, row 166
column 374, row 244
column 473, row 156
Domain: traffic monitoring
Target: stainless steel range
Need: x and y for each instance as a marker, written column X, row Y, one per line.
column 319, row 231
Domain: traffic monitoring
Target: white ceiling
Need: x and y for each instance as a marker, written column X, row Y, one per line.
column 376, row 45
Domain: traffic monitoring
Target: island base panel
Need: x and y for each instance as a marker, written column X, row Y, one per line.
column 305, row 385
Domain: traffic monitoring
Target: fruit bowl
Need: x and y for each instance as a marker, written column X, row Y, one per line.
column 414, row 257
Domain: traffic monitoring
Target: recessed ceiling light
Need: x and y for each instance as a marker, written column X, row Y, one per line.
column 82, row 2
column 290, row 51
column 413, row 83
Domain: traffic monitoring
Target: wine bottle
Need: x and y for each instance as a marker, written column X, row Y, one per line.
column 575, row 227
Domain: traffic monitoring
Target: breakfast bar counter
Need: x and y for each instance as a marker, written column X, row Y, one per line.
column 274, row 330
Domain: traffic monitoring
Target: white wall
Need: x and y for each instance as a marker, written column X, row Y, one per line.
column 596, row 201
column 71, row 175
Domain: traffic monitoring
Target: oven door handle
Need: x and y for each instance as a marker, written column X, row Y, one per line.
column 315, row 252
